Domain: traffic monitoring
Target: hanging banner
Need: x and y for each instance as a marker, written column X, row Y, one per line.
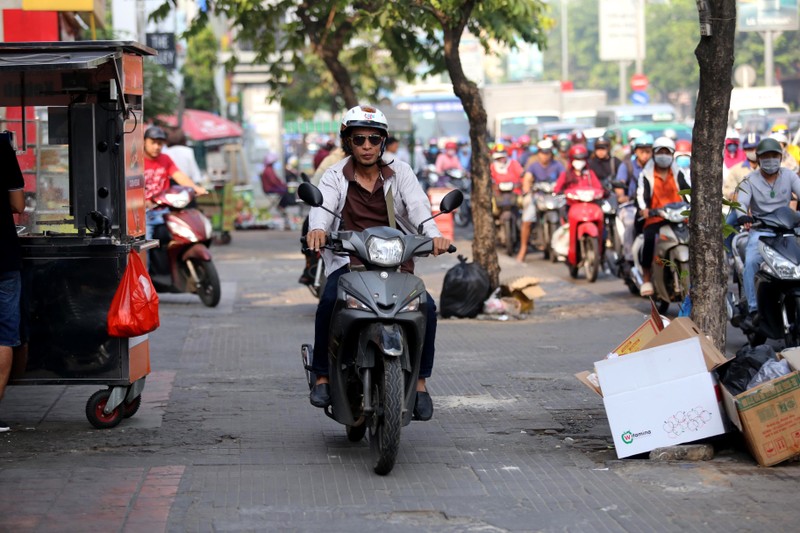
column 763, row 15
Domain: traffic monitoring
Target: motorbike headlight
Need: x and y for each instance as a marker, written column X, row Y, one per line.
column 585, row 195
column 411, row 306
column 179, row 199
column 674, row 215
column 385, row 252
column 506, row 186
column 608, row 209
column 777, row 264
column 179, row 228
column 351, row 302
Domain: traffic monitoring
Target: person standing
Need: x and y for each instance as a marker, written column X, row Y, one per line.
column 12, row 201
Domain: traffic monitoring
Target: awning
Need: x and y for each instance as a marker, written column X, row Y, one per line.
column 203, row 126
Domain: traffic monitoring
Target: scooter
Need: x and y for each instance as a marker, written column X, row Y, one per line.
column 505, row 208
column 183, row 262
column 585, row 222
column 777, row 280
column 376, row 333
column 670, row 268
column 548, row 208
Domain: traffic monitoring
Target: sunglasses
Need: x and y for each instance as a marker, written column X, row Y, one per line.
column 359, row 140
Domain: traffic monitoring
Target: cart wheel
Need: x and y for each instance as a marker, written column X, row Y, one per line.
column 130, row 409
column 95, row 414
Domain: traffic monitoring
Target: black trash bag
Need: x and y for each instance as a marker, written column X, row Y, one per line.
column 465, row 288
column 748, row 361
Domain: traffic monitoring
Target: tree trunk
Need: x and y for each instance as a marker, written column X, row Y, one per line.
column 483, row 244
column 340, row 75
column 707, row 260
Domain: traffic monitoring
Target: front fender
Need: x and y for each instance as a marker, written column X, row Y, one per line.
column 198, row 251
column 681, row 254
column 588, row 229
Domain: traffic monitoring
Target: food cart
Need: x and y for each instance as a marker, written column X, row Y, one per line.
column 75, row 109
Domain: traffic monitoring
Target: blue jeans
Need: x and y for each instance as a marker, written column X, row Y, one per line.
column 327, row 301
column 752, row 260
column 10, row 291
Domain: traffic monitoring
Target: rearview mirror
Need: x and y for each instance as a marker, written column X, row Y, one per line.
column 451, row 201
column 309, row 193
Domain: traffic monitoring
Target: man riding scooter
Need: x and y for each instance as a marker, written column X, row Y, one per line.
column 761, row 192
column 368, row 192
column 660, row 183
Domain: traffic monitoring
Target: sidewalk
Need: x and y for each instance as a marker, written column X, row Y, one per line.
column 226, row 439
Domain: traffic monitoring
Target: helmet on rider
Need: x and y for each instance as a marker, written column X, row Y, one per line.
column 750, row 141
column 545, row 145
column 563, row 143
column 524, row 140
column 451, row 145
column 780, row 128
column 577, row 137
column 578, row 154
column 664, row 142
column 602, row 143
column 643, row 141
column 781, row 138
column 682, row 146
column 363, row 116
column 768, row 145
column 156, row 133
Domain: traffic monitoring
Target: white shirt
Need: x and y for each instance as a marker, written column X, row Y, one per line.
column 184, row 159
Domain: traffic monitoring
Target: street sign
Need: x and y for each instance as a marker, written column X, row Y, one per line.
column 621, row 30
column 164, row 44
column 639, row 82
column 640, row 97
column 744, row 75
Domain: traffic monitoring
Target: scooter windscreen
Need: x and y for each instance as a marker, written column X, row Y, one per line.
column 782, row 218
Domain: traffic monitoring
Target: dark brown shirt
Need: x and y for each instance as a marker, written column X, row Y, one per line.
column 366, row 209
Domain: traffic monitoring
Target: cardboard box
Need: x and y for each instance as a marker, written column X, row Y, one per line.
column 643, row 334
column 769, row 415
column 684, row 328
column 658, row 397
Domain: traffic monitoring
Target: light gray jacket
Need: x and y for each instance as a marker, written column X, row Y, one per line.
column 411, row 205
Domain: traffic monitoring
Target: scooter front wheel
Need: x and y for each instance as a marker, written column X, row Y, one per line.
column 384, row 434
column 591, row 258
column 209, row 289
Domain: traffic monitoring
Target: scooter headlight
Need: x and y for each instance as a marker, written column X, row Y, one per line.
column 180, row 229
column 505, row 186
column 675, row 215
column 178, row 199
column 607, row 208
column 411, row 306
column 776, row 264
column 351, row 302
column 385, row 252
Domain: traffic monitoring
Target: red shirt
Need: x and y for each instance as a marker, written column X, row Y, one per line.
column 156, row 174
column 512, row 172
column 572, row 179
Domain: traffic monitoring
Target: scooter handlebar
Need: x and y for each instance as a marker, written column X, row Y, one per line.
column 451, row 249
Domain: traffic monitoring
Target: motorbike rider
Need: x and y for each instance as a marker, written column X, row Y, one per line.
column 631, row 167
column 737, row 173
column 545, row 168
column 602, row 163
column 578, row 175
column 660, row 183
column 367, row 192
column 791, row 149
column 504, row 169
column 159, row 169
column 787, row 161
column 448, row 160
column 761, row 192
column 733, row 154
column 563, row 144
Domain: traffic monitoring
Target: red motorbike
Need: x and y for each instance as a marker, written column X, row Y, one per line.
column 585, row 219
column 183, row 262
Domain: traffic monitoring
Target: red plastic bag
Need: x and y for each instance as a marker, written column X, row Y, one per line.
column 134, row 309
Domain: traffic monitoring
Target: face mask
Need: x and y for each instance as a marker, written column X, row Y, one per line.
column 732, row 149
column 770, row 166
column 579, row 164
column 683, row 161
column 751, row 155
column 533, row 149
column 663, row 160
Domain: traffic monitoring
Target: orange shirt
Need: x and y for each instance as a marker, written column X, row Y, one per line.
column 665, row 191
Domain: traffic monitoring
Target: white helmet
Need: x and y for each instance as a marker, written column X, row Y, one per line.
column 545, row 144
column 664, row 142
column 780, row 137
column 363, row 116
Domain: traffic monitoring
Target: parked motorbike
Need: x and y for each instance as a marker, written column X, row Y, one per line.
column 183, row 263
column 376, row 333
column 505, row 208
column 585, row 224
column 777, row 280
column 548, row 208
column 670, row 268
